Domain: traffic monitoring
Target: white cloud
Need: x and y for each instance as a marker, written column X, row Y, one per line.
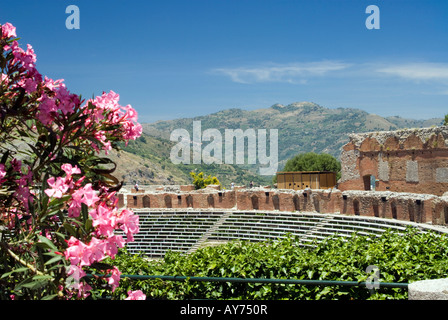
column 292, row 73
column 418, row 71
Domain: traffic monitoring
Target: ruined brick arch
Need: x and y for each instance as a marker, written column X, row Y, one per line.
column 316, row 203
column 435, row 141
column 356, row 209
column 211, row 201
column 413, row 142
column 146, row 202
column 370, row 144
column 376, row 209
column 391, row 144
column 411, row 210
column 440, row 213
column 393, row 209
column 168, row 201
column 189, row 201
column 296, row 202
column 367, row 179
column 254, row 200
column 276, row 202
column 419, row 212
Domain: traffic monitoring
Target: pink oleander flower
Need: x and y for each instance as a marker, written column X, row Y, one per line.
column 129, row 224
column 63, row 101
column 52, row 84
column 2, row 172
column 8, row 31
column 58, row 186
column 86, row 195
column 136, row 295
column 77, row 252
column 29, row 84
column 112, row 244
column 25, row 60
column 100, row 136
column 133, row 130
column 22, row 192
column 74, row 209
column 126, row 117
column 83, row 290
column 16, row 165
column 75, row 272
column 69, row 170
column 96, row 249
column 104, row 219
column 114, row 279
column 130, row 114
column 47, row 109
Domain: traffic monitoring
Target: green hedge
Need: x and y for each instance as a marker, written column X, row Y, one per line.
column 400, row 258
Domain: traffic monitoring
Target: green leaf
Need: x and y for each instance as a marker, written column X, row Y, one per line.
column 23, row 269
column 4, row 157
column 42, row 277
column 33, row 285
column 67, row 226
column 54, row 259
column 88, row 225
column 46, row 243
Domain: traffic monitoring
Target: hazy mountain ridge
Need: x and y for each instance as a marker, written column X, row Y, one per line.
column 302, row 127
column 147, row 161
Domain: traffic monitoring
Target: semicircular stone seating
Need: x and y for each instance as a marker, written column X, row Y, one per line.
column 185, row 231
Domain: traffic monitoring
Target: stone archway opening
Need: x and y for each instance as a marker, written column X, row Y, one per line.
column 369, row 182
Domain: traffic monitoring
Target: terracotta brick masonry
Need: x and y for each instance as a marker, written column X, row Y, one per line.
column 420, row 208
column 413, row 160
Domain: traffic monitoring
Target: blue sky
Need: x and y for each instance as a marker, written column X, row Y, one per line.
column 172, row 58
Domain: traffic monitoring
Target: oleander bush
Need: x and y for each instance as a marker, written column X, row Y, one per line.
column 401, row 258
column 58, row 209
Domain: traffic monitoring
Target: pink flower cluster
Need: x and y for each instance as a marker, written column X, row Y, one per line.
column 22, row 182
column 136, row 295
column 103, row 120
column 23, row 61
column 8, row 31
column 107, row 108
column 106, row 219
column 56, row 102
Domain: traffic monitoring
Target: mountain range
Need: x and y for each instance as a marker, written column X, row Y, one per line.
column 302, row 127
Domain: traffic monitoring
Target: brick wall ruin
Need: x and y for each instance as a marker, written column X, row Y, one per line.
column 412, row 160
column 420, row 208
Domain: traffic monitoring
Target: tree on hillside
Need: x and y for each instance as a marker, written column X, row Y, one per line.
column 200, row 182
column 311, row 161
